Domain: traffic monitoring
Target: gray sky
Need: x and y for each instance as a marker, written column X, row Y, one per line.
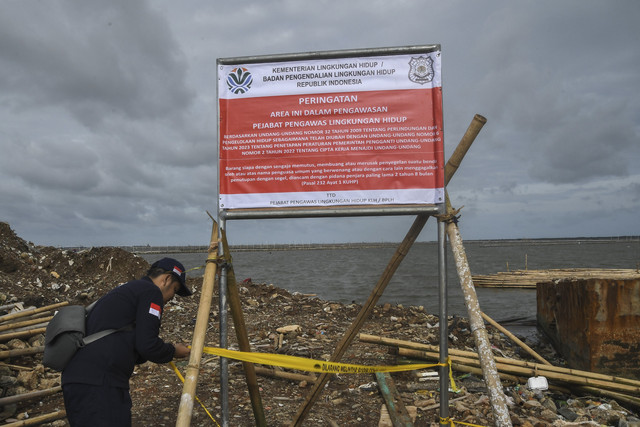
column 108, row 113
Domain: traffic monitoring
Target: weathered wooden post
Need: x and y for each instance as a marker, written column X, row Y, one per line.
column 490, row 371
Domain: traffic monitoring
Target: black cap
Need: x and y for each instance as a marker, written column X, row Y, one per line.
column 171, row 265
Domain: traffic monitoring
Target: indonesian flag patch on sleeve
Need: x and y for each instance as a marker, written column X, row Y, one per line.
column 155, row 310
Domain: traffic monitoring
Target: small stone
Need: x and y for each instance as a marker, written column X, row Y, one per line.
column 16, row 344
column 28, row 378
column 549, row 404
column 36, row 341
column 548, row 415
column 532, row 404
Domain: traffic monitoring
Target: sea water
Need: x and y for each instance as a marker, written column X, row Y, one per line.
column 349, row 275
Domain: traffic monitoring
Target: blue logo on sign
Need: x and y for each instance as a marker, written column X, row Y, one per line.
column 239, row 80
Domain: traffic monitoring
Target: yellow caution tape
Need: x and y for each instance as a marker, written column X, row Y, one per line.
column 451, row 381
column 175, row 369
column 310, row 365
column 452, row 423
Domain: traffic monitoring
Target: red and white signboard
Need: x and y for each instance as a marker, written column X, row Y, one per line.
column 331, row 132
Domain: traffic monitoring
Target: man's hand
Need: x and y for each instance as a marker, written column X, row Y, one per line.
column 181, row 351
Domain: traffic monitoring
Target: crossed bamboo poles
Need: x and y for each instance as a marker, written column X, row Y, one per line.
column 186, row 402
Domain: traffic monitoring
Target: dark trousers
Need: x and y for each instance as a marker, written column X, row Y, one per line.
column 97, row 406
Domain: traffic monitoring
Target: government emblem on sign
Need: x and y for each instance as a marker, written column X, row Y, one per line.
column 421, row 69
column 239, row 80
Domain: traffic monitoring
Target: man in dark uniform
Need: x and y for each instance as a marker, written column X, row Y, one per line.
column 95, row 383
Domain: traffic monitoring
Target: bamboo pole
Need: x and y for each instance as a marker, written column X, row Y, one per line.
column 476, row 370
column 619, row 397
column 32, row 322
column 22, row 334
column 241, row 334
column 529, row 372
column 30, row 311
column 537, row 367
column 5, row 354
column 491, row 378
column 16, row 367
column 39, row 419
column 450, row 168
column 8, row 307
column 514, row 339
column 8, row 400
column 185, row 409
column 285, row 375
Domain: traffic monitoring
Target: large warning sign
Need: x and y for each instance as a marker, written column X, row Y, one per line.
column 339, row 131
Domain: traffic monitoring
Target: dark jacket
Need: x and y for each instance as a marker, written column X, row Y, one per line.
column 110, row 360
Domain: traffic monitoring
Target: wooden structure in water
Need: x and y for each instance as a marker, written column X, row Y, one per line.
column 529, row 278
column 594, row 323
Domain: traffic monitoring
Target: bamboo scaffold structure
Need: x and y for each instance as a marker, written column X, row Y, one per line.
column 402, row 250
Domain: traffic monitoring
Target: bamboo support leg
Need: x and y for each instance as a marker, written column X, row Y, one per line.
column 241, row 334
column 450, row 168
column 185, row 409
column 492, row 379
column 364, row 313
column 444, row 330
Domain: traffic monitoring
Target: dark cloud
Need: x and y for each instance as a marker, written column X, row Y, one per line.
column 93, row 58
column 108, row 113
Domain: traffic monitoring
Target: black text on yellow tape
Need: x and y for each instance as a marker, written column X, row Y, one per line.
column 310, row 365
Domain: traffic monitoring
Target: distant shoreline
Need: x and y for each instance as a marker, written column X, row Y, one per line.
column 148, row 249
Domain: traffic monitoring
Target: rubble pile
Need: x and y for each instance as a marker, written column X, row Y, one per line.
column 277, row 322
